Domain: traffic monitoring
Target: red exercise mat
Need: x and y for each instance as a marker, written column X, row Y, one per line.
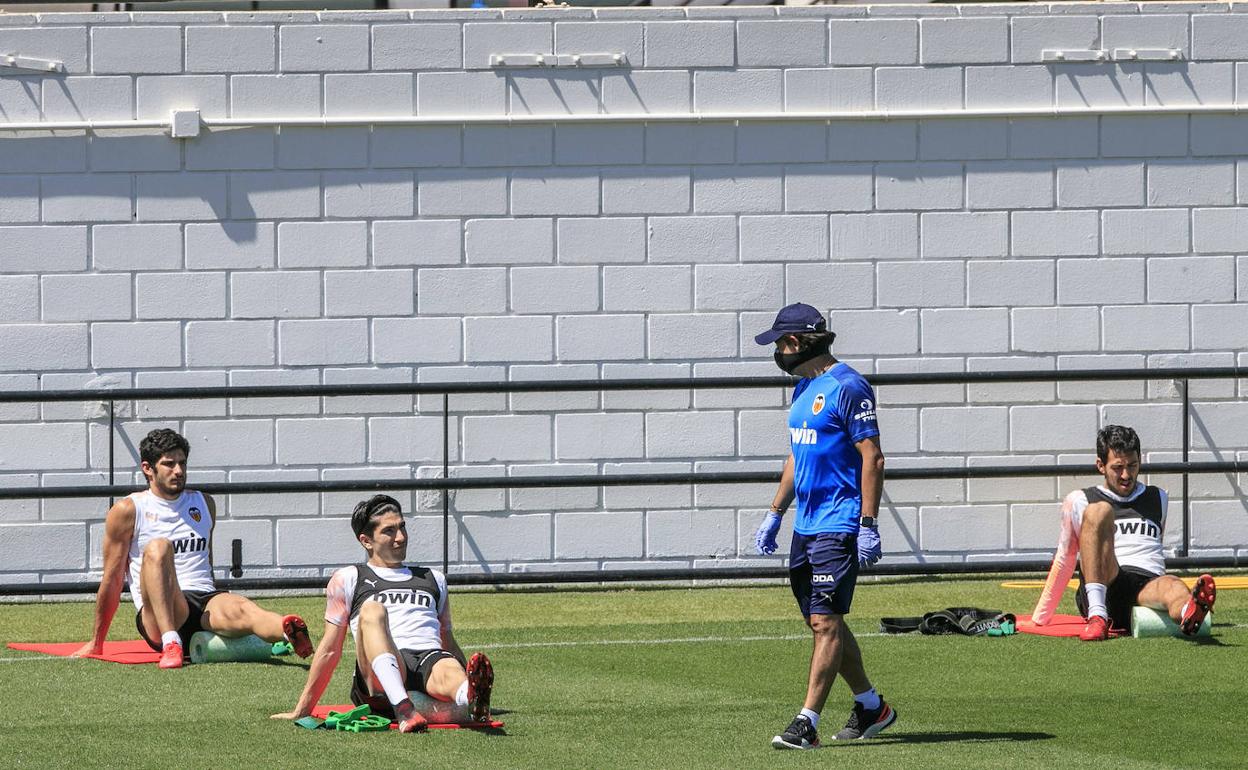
column 133, row 651
column 1058, row 625
column 322, row 711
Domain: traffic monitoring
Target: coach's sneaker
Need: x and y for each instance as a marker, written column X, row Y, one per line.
column 1194, row 612
column 1096, row 630
column 296, row 632
column 480, row 683
column 866, row 724
column 410, row 720
column 800, row 734
column 171, row 656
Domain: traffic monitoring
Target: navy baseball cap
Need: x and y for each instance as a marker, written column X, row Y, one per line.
column 797, row 318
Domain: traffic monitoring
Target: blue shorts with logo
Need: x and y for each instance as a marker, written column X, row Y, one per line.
column 823, row 570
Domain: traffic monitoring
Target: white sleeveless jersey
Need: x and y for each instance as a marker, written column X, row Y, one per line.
column 416, row 619
column 1139, row 526
column 1137, row 537
column 186, row 523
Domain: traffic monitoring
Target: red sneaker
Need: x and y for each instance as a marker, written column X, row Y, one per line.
column 409, row 719
column 171, row 656
column 480, row 683
column 1096, row 630
column 1203, row 595
column 297, row 634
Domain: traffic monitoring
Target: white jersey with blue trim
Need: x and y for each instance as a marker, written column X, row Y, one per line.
column 186, row 523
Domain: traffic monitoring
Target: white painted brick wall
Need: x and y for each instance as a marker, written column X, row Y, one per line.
column 306, row 255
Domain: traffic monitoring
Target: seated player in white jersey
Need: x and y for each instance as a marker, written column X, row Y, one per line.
column 1114, row 531
column 165, row 533
column 400, row 618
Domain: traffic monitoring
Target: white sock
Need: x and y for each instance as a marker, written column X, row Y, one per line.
column 386, row 667
column 170, row 636
column 811, row 715
column 870, row 699
column 1096, row 599
column 461, row 695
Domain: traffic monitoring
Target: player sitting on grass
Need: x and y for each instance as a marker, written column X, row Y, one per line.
column 165, row 532
column 400, row 618
column 1115, row 531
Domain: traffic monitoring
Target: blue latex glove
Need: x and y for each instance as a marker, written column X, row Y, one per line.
column 765, row 537
column 869, row 550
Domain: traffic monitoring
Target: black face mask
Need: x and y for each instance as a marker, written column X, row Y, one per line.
column 789, row 362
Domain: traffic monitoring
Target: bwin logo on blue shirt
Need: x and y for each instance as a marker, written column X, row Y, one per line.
column 804, row 435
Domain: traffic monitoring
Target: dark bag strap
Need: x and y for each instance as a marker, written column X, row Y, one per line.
column 899, row 625
column 968, row 621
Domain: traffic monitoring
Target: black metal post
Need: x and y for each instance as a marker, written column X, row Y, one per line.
column 1187, row 442
column 111, row 442
column 446, row 493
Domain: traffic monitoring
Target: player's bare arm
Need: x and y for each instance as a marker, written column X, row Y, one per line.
column 784, row 492
column 872, row 478
column 118, row 531
column 450, row 645
column 324, row 663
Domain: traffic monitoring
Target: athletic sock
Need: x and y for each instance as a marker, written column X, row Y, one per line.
column 170, row 636
column 461, row 695
column 386, row 667
column 812, row 716
column 1096, row 599
column 870, row 699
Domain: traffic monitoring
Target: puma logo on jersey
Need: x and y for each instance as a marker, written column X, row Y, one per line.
column 190, row 545
column 804, row 435
column 372, row 583
column 400, row 596
column 1138, row 527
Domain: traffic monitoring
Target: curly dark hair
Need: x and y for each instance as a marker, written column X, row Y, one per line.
column 161, row 442
column 364, row 517
column 1119, row 438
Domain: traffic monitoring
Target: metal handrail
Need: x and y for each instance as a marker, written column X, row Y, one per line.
column 446, row 484
column 882, row 569
column 660, row 383
column 613, row 480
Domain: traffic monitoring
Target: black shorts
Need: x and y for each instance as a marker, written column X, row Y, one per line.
column 823, row 571
column 196, row 601
column 419, row 665
column 1121, row 596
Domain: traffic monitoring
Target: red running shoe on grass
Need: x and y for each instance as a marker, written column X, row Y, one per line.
column 296, row 632
column 480, row 683
column 1096, row 630
column 409, row 719
column 1203, row 595
column 171, row 656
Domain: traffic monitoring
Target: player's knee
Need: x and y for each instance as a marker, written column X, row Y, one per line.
column 158, row 548
column 373, row 612
column 1099, row 515
column 825, row 625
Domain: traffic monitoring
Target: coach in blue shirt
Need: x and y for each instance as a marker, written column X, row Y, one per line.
column 835, row 471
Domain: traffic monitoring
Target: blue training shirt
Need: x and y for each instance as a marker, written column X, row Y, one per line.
column 830, row 414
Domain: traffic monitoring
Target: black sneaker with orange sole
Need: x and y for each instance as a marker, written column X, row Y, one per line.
column 800, row 735
column 864, row 723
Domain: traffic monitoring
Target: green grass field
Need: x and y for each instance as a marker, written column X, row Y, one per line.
column 663, row 678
